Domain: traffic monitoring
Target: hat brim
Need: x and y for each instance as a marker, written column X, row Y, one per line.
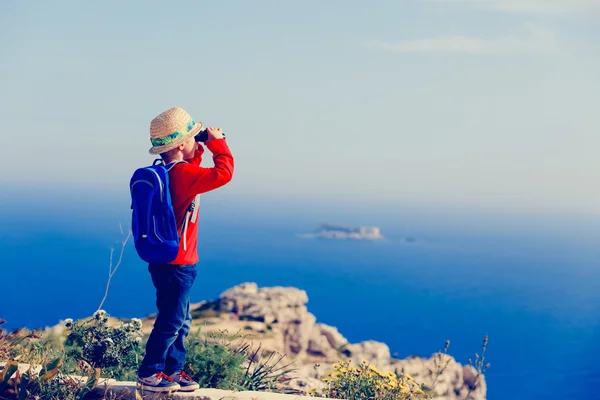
column 168, row 147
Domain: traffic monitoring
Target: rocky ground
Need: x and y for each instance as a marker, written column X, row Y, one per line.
column 277, row 319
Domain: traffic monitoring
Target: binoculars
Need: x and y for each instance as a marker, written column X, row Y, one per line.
column 202, row 136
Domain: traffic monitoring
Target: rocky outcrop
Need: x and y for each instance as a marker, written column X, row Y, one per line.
column 325, row 341
column 456, row 381
column 294, row 331
column 283, row 307
column 269, row 305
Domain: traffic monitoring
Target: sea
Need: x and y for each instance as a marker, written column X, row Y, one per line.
column 530, row 281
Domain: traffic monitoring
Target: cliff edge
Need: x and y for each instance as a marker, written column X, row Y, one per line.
column 277, row 319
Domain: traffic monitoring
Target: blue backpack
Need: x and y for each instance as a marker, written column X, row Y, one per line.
column 153, row 221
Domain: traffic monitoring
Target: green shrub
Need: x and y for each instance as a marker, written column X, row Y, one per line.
column 217, row 361
column 116, row 350
column 49, row 383
column 212, row 363
column 266, row 375
column 22, row 345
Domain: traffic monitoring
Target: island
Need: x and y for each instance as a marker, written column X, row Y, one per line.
column 329, row 231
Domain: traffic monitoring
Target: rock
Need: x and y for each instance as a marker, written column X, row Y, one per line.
column 127, row 391
column 248, row 289
column 281, row 306
column 304, row 383
column 297, row 334
column 451, row 384
column 325, row 341
column 375, row 352
column 293, row 331
column 269, row 305
column 472, row 381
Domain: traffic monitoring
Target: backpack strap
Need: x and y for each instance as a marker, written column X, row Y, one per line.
column 190, row 213
column 171, row 165
column 160, row 161
column 196, row 205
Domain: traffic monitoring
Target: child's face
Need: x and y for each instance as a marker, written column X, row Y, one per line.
column 189, row 149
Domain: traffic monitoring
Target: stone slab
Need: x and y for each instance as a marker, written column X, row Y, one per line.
column 127, row 391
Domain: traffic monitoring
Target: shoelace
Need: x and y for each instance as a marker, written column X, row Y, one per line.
column 185, row 376
column 161, row 375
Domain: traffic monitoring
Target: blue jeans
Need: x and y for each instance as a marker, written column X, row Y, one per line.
column 165, row 350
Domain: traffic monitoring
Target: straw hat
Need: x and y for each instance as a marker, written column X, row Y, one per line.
column 170, row 129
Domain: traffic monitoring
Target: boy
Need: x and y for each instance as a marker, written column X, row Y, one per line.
column 172, row 136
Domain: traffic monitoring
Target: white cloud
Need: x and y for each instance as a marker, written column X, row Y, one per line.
column 532, row 39
column 529, row 6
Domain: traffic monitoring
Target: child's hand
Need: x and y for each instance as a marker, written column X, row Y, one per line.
column 214, row 133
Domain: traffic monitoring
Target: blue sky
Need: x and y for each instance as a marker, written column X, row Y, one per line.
column 488, row 103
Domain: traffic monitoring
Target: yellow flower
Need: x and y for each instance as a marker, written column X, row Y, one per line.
column 373, row 368
column 389, row 385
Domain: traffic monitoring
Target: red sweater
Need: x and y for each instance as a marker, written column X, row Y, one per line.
column 189, row 179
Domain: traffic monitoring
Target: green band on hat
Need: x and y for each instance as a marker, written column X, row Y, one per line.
column 172, row 137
